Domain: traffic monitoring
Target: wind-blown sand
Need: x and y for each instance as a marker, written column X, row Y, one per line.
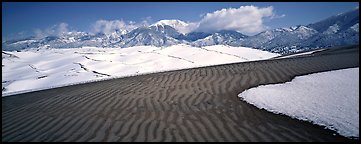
column 199, row 104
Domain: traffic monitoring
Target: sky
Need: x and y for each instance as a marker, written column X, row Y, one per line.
column 21, row 19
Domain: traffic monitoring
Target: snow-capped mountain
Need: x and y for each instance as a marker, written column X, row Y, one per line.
column 282, row 39
column 193, row 36
column 225, row 37
column 166, row 30
column 337, row 30
column 64, row 40
column 342, row 29
column 179, row 25
column 155, row 36
column 344, row 21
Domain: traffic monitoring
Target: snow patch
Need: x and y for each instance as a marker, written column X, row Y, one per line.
column 300, row 54
column 332, row 29
column 355, row 27
column 328, row 99
column 37, row 69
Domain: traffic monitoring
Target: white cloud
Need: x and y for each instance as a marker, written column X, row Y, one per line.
column 55, row 30
column 191, row 26
column 39, row 33
column 146, row 21
column 62, row 28
column 245, row 19
column 278, row 16
column 109, row 26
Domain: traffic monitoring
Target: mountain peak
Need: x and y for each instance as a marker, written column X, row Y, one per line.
column 343, row 20
column 179, row 25
column 173, row 23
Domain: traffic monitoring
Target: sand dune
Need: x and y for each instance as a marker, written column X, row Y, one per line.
column 199, row 104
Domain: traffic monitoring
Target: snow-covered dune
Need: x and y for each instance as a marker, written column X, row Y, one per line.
column 35, row 69
column 329, row 98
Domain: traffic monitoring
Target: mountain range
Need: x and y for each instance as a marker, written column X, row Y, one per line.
column 341, row 29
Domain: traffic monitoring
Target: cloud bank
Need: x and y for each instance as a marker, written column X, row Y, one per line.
column 55, row 30
column 245, row 19
column 109, row 26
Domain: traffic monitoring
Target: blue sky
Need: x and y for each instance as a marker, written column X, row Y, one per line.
column 23, row 18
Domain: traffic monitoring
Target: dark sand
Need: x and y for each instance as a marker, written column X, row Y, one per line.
column 198, row 104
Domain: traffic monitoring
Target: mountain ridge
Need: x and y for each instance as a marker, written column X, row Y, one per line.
column 341, row 29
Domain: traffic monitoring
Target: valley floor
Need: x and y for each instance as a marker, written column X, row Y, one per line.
column 37, row 69
column 198, row 104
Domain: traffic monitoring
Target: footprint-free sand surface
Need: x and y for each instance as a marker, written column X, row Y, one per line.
column 199, row 104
